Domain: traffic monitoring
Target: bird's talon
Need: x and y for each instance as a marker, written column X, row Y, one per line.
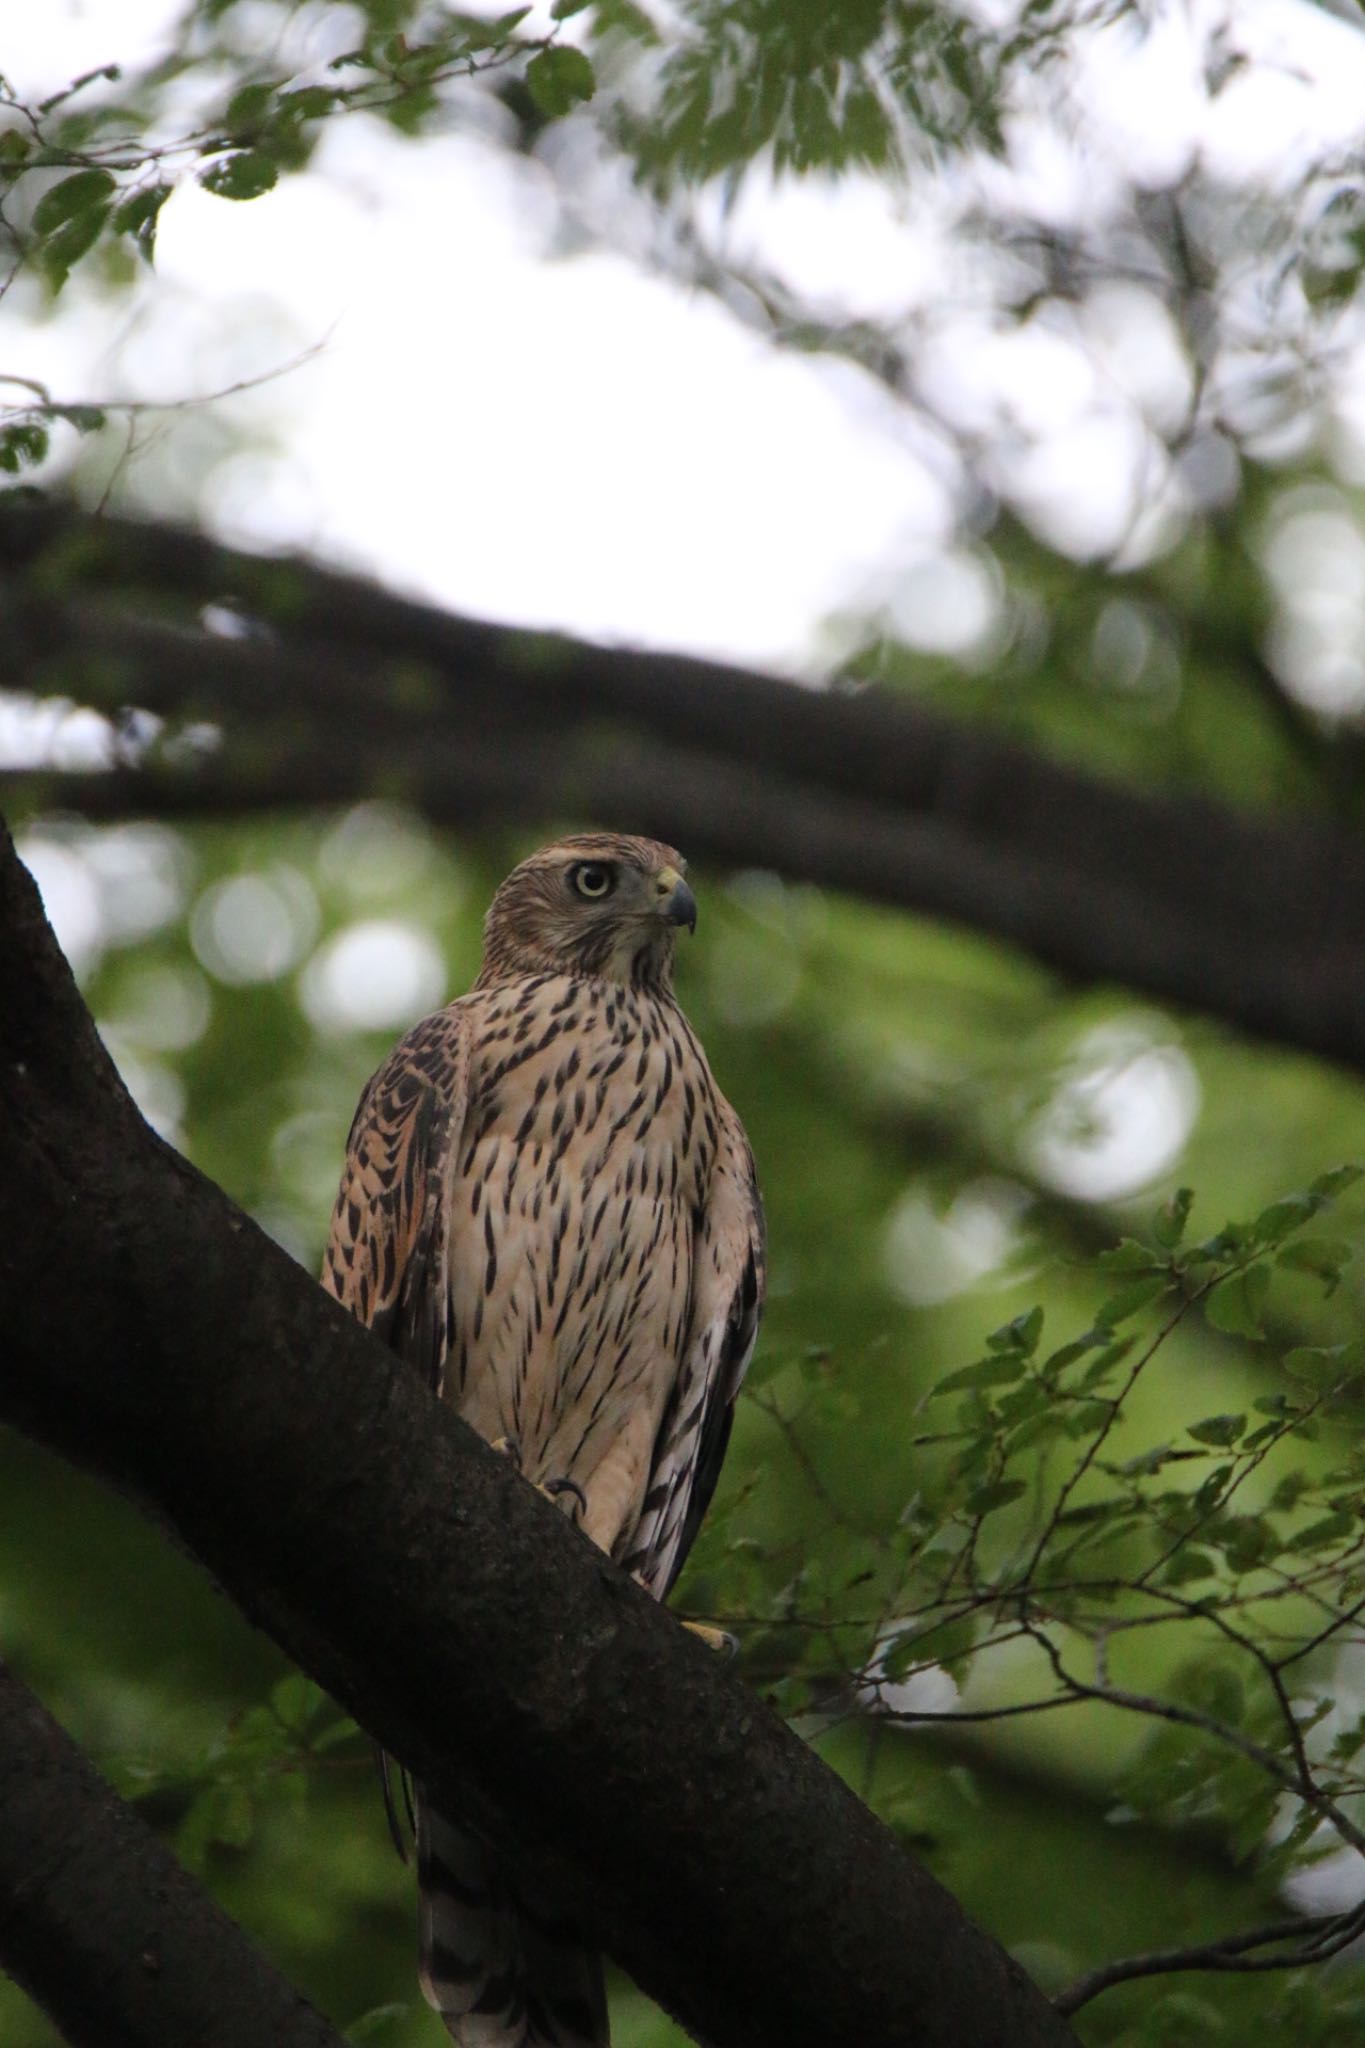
column 507, row 1447
column 718, row 1639
column 555, row 1489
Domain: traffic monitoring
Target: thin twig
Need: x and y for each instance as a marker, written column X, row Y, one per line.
column 1229, row 1954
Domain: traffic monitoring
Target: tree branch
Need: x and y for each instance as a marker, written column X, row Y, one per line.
column 1257, row 920
column 1314, row 1940
column 462, row 1620
column 102, row 1926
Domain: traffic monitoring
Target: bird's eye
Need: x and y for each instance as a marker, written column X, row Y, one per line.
column 592, row 879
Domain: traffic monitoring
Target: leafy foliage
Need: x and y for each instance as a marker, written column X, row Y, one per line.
column 1091, row 1585
column 115, row 182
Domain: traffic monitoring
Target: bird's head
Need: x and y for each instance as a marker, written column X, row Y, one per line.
column 598, row 904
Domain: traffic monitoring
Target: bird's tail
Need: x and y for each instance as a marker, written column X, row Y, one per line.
column 501, row 1967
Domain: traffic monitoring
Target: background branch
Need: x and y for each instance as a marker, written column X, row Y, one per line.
column 104, row 1928
column 335, row 689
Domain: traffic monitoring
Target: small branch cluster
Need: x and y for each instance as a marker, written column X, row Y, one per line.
column 1240, row 1537
column 116, row 179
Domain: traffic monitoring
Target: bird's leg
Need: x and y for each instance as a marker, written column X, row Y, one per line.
column 507, row 1447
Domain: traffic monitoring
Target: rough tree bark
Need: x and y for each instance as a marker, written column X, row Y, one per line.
column 463, row 1621
column 339, row 689
column 103, row 1927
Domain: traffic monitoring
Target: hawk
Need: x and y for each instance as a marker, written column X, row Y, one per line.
column 550, row 1210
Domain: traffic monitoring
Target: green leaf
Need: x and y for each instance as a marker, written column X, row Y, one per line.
column 1218, row 1429
column 1236, row 1303
column 1031, row 1395
column 1067, row 1354
column 563, row 9
column 1224, row 1245
column 308, row 103
column 62, row 251
column 374, row 2024
column 1050, row 1422
column 1090, row 1415
column 138, row 214
column 1283, row 1217
column 222, row 1812
column 69, row 220
column 919, row 1646
column 1247, row 1541
column 998, row 1493
column 295, row 1700
column 626, row 19
column 490, row 35
column 1168, row 1225
column 1208, row 1493
column 1108, row 1361
column 1188, row 1564
column 559, row 79
column 84, row 192
column 1329, row 1185
column 86, row 419
column 1127, row 1256
column 246, row 174
column 1323, row 1256
column 247, row 105
column 988, row 1372
column 1221, row 1692
column 1147, row 1462
column 23, row 446
column 1330, row 1529
column 1130, row 1299
column 1326, row 1365
column 1021, row 1335
column 337, row 1732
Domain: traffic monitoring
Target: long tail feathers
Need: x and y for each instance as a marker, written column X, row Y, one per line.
column 499, row 1964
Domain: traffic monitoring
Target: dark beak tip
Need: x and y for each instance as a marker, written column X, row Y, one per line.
column 682, row 907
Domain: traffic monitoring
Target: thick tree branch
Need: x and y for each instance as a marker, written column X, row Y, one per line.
column 351, row 689
column 464, row 1622
column 101, row 1925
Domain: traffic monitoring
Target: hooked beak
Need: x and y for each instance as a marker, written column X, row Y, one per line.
column 677, row 904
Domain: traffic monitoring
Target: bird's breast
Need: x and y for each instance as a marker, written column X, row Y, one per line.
column 584, row 1162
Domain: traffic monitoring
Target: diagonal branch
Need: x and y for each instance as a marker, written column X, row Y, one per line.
column 474, row 1633
column 101, row 1925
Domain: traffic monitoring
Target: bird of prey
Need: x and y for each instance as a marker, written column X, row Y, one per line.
column 550, row 1210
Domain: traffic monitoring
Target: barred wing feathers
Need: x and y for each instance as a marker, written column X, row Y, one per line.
column 492, row 1960
column 388, row 1254
column 728, row 1278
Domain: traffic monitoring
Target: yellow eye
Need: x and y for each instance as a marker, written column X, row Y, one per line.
column 592, row 879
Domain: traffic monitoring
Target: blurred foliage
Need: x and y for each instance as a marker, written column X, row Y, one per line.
column 920, row 1104
column 1159, row 1499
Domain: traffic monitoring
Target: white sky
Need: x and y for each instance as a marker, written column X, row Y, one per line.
column 564, row 438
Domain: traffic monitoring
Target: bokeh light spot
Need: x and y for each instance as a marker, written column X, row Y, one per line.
column 375, row 974
column 255, row 927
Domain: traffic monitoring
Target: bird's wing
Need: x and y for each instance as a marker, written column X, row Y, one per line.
column 728, row 1272
column 501, row 1968
column 387, row 1256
